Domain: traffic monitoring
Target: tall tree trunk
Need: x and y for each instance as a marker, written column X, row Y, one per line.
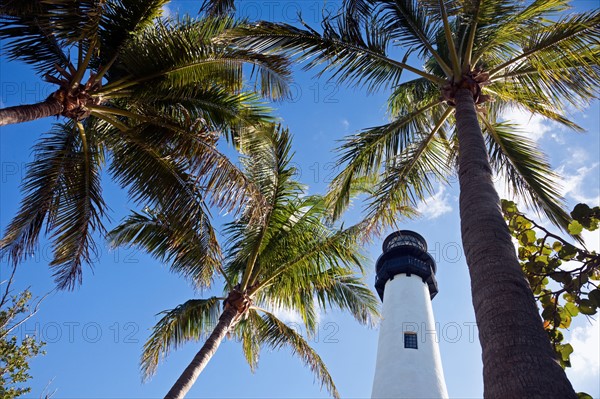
column 518, row 360
column 187, row 379
column 29, row 112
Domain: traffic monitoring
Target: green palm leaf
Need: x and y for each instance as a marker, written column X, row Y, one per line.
column 24, row 26
column 189, row 321
column 218, row 7
column 135, row 162
column 63, row 191
column 352, row 58
column 44, row 181
column 275, row 334
column 348, row 292
column 318, row 267
column 247, row 330
column 363, row 155
column 122, row 21
column 527, row 172
column 177, row 54
column 499, row 23
column 409, row 177
column 78, row 214
column 217, row 108
column 190, row 248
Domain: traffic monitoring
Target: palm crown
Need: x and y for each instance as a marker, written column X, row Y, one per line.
column 509, row 54
column 158, row 95
column 285, row 257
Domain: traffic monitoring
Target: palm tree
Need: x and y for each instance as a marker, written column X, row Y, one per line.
column 479, row 58
column 158, row 95
column 123, row 49
column 279, row 255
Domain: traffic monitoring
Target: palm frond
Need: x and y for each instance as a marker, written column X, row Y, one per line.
column 275, row 334
column 24, row 27
column 217, row 7
column 567, row 72
column 365, row 154
column 409, row 177
column 352, row 58
column 292, row 230
column 41, row 32
column 554, row 84
column 62, row 191
column 412, row 26
column 188, row 139
column 527, row 172
column 177, row 54
column 533, row 99
column 79, row 212
column 247, row 330
column 153, row 177
column 501, row 23
column 348, row 292
column 190, row 248
column 121, row 21
column 316, row 265
column 411, row 96
column 267, row 162
column 219, row 109
column 291, row 226
column 189, row 321
column 571, row 34
column 44, row 181
column 328, row 248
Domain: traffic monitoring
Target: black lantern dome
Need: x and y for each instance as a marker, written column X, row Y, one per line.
column 405, row 252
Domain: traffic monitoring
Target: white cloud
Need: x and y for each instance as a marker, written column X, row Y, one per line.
column 577, row 156
column 591, row 239
column 558, row 137
column 167, row 11
column 293, row 318
column 436, row 205
column 345, row 124
column 585, row 365
column 573, row 186
column 532, row 126
column 287, row 316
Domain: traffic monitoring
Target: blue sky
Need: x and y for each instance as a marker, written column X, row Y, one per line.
column 95, row 334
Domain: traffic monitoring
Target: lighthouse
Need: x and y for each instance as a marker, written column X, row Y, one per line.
column 408, row 357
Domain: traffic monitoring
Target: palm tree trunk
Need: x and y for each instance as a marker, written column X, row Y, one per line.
column 518, row 361
column 29, row 112
column 187, row 379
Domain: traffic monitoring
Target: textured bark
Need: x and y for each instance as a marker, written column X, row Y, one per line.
column 29, row 112
column 518, row 360
column 187, row 379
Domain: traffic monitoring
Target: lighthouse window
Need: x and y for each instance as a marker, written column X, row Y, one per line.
column 410, row 340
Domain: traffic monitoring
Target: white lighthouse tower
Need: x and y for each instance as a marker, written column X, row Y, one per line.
column 408, row 357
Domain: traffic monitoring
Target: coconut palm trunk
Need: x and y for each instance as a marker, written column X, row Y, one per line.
column 29, row 112
column 187, row 379
column 520, row 350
